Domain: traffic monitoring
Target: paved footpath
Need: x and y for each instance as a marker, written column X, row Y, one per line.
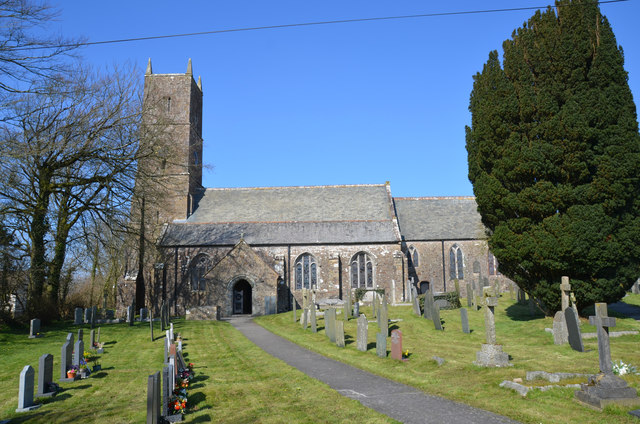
column 398, row 401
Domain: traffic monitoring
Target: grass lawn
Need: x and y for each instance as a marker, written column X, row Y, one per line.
column 522, row 336
column 235, row 381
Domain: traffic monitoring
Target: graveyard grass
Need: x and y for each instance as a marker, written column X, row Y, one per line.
column 522, row 336
column 235, row 381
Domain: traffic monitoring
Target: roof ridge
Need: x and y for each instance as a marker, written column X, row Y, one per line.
column 292, row 187
column 278, row 222
column 437, row 198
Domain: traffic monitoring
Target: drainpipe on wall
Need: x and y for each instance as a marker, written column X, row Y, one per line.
column 175, row 282
column 444, row 274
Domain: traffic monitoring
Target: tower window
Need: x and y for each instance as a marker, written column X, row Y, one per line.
column 168, row 104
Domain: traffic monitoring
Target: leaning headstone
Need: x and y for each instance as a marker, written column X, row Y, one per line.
column 605, row 388
column 362, row 333
column 465, row 321
column 45, row 376
column 469, row 295
column 339, row 333
column 435, row 316
column 396, row 344
column 573, row 330
column 381, row 345
column 330, row 323
column 490, row 353
column 560, row 333
column 416, row 303
column 153, row 398
column 34, row 328
column 66, row 360
column 313, row 319
column 78, row 317
column 25, row 391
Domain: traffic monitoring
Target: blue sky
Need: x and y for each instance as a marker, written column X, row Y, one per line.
column 356, row 103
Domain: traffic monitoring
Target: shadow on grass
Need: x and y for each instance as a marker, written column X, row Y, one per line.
column 99, row 374
column 60, row 396
column 371, row 345
column 197, row 398
column 393, row 327
column 110, row 343
column 202, row 419
column 29, row 417
column 522, row 313
column 84, row 386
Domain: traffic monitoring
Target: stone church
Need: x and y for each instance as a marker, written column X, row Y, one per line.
column 253, row 250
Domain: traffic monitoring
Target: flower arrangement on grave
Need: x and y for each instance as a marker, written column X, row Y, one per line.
column 178, row 402
column 71, row 372
column 620, row 368
column 406, row 353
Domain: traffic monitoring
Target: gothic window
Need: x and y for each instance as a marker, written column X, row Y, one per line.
column 306, row 271
column 197, row 269
column 362, row 271
column 456, row 263
column 168, row 104
column 493, row 265
column 414, row 256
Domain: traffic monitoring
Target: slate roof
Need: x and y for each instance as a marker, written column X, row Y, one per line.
column 289, row 215
column 439, row 218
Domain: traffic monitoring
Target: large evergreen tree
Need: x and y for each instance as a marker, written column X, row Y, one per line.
column 554, row 157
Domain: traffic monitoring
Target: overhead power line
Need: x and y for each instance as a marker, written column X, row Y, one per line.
column 302, row 24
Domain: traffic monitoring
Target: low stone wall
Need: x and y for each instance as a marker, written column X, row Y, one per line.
column 203, row 313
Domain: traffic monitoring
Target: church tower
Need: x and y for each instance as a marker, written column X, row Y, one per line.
column 171, row 168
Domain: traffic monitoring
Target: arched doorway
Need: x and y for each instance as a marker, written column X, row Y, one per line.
column 242, row 297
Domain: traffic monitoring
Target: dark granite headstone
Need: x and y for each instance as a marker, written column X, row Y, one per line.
column 45, row 376
column 153, row 398
column 66, row 360
column 34, row 328
column 87, row 315
column 465, row 321
column 78, row 317
column 78, row 352
column 573, row 330
column 80, row 334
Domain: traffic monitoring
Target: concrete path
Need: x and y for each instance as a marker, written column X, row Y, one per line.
column 632, row 311
column 398, row 401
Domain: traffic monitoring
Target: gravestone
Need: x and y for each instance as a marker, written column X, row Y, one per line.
column 396, row 344
column 605, row 388
column 34, row 328
column 130, row 315
column 25, row 390
column 339, row 333
column 171, row 335
column 428, row 305
column 143, row 314
column 98, row 336
column 416, row 302
column 166, row 349
column 94, row 315
column 522, row 299
column 87, row 315
column 304, row 321
column 330, row 324
column 163, row 317
column 512, row 295
column 565, row 290
column 70, row 338
column 356, row 309
column 78, row 353
column 435, row 316
column 80, row 334
column 362, row 333
column 153, row 398
column 383, row 317
column 167, row 390
column 573, row 330
column 465, row 321
column 295, row 310
column 374, row 305
column 635, row 289
column 314, row 319
column 347, row 305
column 469, row 295
column 45, row 376
column 92, row 339
column 381, row 345
column 490, row 353
column 78, row 317
column 109, row 314
column 66, row 360
column 560, row 332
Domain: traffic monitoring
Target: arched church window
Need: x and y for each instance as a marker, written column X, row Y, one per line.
column 456, row 263
column 362, row 271
column 414, row 256
column 197, row 270
column 306, row 270
column 493, row 265
column 168, row 104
